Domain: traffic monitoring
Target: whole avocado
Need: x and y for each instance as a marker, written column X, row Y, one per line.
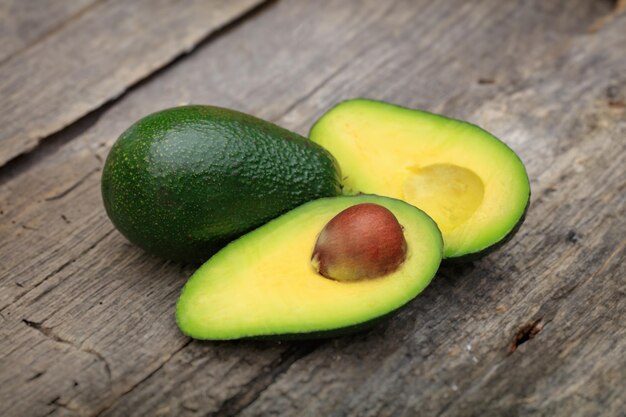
column 183, row 182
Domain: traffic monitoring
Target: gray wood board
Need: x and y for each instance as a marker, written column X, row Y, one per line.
column 24, row 23
column 94, row 58
column 87, row 319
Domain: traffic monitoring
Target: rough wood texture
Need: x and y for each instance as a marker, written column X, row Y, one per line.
column 94, row 57
column 534, row 329
column 23, row 23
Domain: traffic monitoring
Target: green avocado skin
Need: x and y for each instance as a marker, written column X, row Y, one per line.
column 183, row 182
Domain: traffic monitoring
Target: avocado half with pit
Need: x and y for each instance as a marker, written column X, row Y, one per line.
column 472, row 184
column 328, row 267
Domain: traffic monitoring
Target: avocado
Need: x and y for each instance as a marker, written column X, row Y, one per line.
column 472, row 184
column 267, row 284
column 183, row 182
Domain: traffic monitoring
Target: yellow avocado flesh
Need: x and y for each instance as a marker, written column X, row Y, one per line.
column 264, row 284
column 472, row 184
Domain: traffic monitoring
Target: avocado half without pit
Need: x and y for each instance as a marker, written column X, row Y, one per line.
column 328, row 267
column 473, row 185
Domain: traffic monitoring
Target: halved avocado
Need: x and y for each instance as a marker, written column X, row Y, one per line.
column 264, row 284
column 472, row 184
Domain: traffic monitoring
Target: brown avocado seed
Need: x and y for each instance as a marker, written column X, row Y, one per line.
column 363, row 241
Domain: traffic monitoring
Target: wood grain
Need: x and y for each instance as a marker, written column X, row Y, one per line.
column 535, row 329
column 24, row 23
column 94, row 58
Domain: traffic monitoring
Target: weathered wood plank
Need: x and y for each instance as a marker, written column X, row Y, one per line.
column 23, row 23
column 549, row 101
column 455, row 352
column 95, row 58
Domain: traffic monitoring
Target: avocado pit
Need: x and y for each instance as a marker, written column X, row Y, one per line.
column 362, row 242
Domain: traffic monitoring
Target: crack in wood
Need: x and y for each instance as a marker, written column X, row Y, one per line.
column 55, row 272
column 48, row 290
column 486, row 81
column 46, row 331
column 28, row 144
column 51, row 144
column 527, row 332
column 49, row 333
column 77, row 184
column 56, row 402
column 534, row 327
column 36, row 376
column 107, row 367
column 50, row 32
column 141, row 381
column 251, row 391
column 572, row 237
column 531, row 330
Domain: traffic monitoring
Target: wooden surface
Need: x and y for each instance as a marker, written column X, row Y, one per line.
column 23, row 23
column 86, row 320
column 93, row 57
